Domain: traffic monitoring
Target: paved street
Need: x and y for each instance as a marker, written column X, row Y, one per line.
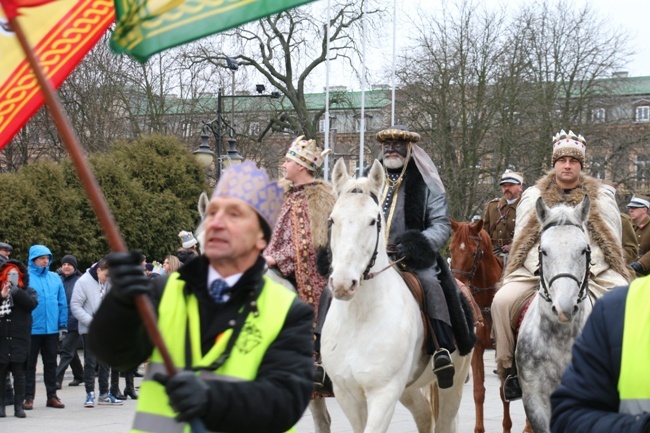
column 104, row 419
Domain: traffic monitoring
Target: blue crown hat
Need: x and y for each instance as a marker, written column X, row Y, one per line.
column 248, row 183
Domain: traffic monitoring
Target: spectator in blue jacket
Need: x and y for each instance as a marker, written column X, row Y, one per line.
column 606, row 387
column 49, row 323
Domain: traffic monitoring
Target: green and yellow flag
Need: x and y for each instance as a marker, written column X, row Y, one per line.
column 146, row 27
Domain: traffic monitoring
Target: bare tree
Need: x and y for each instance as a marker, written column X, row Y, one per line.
column 490, row 89
column 286, row 49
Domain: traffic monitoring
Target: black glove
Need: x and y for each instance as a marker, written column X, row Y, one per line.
column 638, row 267
column 127, row 277
column 189, row 395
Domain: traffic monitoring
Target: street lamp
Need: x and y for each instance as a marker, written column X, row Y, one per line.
column 218, row 126
column 204, row 155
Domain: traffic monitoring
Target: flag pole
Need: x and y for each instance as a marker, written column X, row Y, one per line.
column 88, row 180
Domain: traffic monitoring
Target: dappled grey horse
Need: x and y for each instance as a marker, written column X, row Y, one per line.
column 559, row 310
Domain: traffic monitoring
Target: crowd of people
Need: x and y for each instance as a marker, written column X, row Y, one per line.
column 48, row 313
column 245, row 346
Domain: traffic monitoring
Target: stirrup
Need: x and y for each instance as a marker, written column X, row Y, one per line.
column 322, row 382
column 511, row 388
column 443, row 368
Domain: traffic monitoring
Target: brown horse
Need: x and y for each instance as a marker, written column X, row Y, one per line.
column 474, row 264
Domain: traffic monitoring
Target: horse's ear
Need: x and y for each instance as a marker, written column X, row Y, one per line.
column 203, row 204
column 478, row 225
column 541, row 209
column 376, row 177
column 582, row 210
column 454, row 224
column 339, row 175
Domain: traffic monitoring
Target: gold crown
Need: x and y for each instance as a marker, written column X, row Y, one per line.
column 248, row 183
column 306, row 153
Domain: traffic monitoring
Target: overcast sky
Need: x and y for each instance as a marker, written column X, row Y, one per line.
column 630, row 15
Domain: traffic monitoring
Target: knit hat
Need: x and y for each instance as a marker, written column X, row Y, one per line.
column 306, row 153
column 6, row 246
column 248, row 183
column 187, row 238
column 148, row 267
column 398, row 133
column 510, row 176
column 569, row 145
column 639, row 201
column 70, row 259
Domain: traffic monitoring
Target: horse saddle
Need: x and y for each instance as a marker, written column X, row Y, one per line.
column 415, row 286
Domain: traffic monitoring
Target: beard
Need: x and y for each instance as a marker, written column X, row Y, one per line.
column 393, row 161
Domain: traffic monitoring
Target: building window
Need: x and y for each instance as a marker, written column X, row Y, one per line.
column 598, row 115
column 642, row 167
column 321, row 125
column 254, row 128
column 642, row 113
column 186, row 130
column 597, row 167
column 357, row 125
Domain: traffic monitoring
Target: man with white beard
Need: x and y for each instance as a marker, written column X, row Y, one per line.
column 417, row 226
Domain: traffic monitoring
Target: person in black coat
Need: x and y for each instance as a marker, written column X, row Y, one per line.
column 17, row 300
column 219, row 292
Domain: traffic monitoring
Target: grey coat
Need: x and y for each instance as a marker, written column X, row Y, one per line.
column 86, row 298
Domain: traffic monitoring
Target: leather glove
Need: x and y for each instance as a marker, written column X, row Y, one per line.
column 62, row 334
column 638, row 267
column 189, row 395
column 127, row 277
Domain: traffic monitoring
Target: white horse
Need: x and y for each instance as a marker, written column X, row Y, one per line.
column 559, row 310
column 317, row 406
column 372, row 340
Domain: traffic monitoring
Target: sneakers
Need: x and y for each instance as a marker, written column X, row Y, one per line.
column 109, row 399
column 90, row 400
column 443, row 367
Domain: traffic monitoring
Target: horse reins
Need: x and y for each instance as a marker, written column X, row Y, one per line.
column 582, row 294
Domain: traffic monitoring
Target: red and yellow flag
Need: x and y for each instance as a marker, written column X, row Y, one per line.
column 60, row 33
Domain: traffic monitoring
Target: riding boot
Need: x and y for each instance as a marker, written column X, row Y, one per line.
column 511, row 387
column 443, row 368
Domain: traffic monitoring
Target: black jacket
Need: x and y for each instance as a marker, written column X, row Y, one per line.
column 16, row 327
column 587, row 399
column 273, row 402
column 68, row 285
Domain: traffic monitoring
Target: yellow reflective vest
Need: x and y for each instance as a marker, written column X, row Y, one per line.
column 634, row 380
column 177, row 311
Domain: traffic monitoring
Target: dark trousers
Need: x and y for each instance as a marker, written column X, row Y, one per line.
column 17, row 370
column 90, row 363
column 45, row 345
column 70, row 357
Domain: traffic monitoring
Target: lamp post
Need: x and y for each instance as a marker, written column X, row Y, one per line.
column 204, row 156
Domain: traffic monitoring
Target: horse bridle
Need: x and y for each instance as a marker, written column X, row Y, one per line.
column 472, row 272
column 367, row 275
column 582, row 294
